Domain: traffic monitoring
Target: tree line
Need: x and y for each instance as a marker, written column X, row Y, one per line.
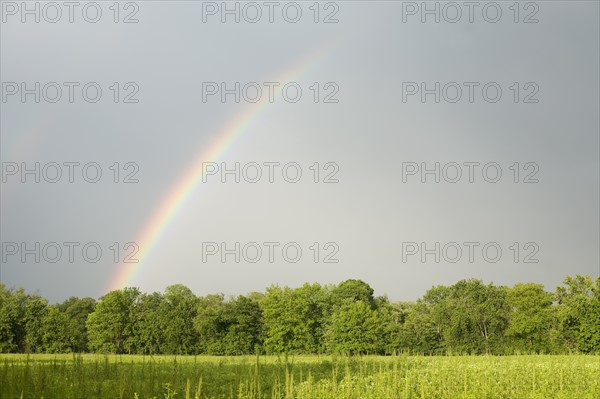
column 467, row 317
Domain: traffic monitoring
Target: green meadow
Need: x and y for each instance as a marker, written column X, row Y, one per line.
column 311, row 377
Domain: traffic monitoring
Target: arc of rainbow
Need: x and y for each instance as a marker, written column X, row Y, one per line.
column 187, row 184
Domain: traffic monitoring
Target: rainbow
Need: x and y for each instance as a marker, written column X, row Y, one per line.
column 174, row 202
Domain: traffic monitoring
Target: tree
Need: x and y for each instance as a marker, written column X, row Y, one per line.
column 55, row 327
column 313, row 304
column 589, row 327
column 77, row 311
column 177, row 312
column 356, row 329
column 12, row 311
column 530, row 317
column 479, row 316
column 110, row 326
column 231, row 327
column 35, row 310
column 421, row 332
column 148, row 331
column 352, row 291
column 286, row 328
column 242, row 321
column 467, row 317
column 438, row 311
column 210, row 325
column 393, row 316
column 573, row 299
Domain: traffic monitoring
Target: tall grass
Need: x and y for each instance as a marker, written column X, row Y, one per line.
column 301, row 377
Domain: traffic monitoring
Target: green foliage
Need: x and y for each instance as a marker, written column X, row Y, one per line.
column 352, row 291
column 210, row 325
column 356, row 329
column 286, row 330
column 36, row 309
column 77, row 311
column 422, row 332
column 575, row 300
column 467, row 317
column 110, row 326
column 589, row 327
column 12, row 319
column 531, row 317
column 393, row 316
column 177, row 312
column 478, row 316
column 242, row 322
column 55, row 333
column 229, row 327
column 148, row 331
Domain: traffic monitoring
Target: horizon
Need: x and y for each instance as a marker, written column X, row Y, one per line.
column 326, row 286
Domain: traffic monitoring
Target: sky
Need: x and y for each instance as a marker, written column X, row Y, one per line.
column 337, row 172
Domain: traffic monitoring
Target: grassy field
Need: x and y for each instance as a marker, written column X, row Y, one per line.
column 310, row 377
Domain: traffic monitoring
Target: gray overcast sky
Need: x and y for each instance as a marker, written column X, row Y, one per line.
column 371, row 134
